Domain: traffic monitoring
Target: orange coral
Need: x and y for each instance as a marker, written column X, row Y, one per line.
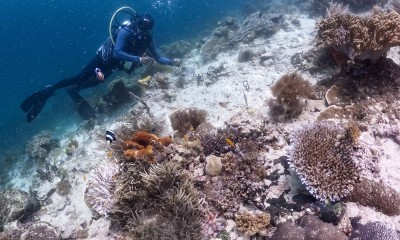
column 142, row 154
column 144, row 138
column 141, row 146
column 129, row 144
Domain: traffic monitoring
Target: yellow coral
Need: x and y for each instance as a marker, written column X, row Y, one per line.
column 252, row 222
column 144, row 82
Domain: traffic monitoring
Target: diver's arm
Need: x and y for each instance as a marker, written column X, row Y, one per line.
column 157, row 56
column 122, row 38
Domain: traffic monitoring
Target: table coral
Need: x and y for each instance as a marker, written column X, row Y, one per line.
column 322, row 155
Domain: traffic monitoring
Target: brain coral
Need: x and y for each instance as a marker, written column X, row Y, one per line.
column 321, row 154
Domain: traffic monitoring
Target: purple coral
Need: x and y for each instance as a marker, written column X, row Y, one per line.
column 321, row 154
column 371, row 231
column 102, row 185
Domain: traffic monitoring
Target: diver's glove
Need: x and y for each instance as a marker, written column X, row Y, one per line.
column 175, row 62
column 146, row 60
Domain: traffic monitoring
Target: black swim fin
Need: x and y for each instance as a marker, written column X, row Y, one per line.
column 33, row 104
column 85, row 111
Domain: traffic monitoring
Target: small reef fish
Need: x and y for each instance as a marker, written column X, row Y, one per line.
column 229, row 142
column 223, row 104
column 84, row 178
column 110, row 136
column 109, row 154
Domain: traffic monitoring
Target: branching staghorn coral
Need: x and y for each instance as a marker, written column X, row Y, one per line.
column 361, row 37
column 321, row 154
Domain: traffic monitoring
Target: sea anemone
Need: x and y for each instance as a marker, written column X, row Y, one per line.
column 99, row 195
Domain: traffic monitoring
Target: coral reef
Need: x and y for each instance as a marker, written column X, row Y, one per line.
column 40, row 145
column 143, row 145
column 16, row 204
column 42, row 230
column 99, row 195
column 308, row 227
column 289, row 91
column 371, row 231
column 251, row 222
column 255, row 25
column 185, row 119
column 322, row 155
column 176, row 49
column 320, row 6
column 361, row 37
column 220, row 36
column 157, row 194
column 377, row 195
column 117, row 94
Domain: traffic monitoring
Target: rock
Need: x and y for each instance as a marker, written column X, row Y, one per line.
column 214, row 165
column 16, row 204
column 308, row 227
column 245, row 55
column 40, row 231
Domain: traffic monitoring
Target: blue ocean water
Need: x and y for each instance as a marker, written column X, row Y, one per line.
column 45, row 41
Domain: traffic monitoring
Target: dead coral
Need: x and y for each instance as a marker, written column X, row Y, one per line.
column 40, row 145
column 322, row 156
column 252, row 222
column 308, row 227
column 257, row 24
column 186, row 119
column 377, row 195
column 289, row 92
column 361, row 37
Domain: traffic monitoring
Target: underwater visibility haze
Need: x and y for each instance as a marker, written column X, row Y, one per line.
column 46, row 41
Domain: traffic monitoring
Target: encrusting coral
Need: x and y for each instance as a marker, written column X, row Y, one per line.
column 377, row 195
column 322, row 155
column 252, row 222
column 142, row 144
column 361, row 37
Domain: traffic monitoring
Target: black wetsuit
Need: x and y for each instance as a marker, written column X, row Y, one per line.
column 130, row 45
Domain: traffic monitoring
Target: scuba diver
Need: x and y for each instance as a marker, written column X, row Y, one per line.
column 128, row 43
